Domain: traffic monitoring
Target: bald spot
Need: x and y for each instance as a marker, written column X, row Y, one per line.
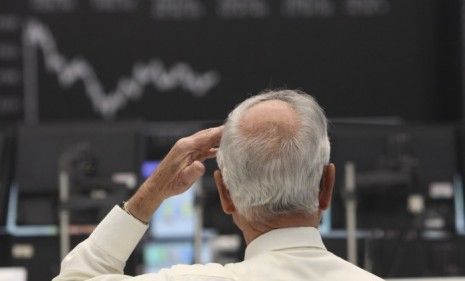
column 274, row 119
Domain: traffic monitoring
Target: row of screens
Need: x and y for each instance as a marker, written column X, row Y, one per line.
column 434, row 148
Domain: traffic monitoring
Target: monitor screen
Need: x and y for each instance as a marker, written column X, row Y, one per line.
column 148, row 167
column 158, row 255
column 163, row 255
column 175, row 218
column 172, row 230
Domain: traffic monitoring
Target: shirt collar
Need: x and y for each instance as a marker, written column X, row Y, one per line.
column 284, row 238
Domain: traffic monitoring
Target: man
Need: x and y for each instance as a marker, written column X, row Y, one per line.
column 274, row 179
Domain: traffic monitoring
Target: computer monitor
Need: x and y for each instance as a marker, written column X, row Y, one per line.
column 148, row 167
column 116, row 147
column 175, row 217
column 163, row 255
column 158, row 255
column 426, row 153
column 172, row 230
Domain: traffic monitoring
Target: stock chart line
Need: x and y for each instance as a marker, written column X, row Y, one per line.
column 37, row 35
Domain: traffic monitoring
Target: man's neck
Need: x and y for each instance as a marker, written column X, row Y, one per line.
column 252, row 230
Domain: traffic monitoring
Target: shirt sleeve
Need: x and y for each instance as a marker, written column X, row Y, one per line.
column 103, row 255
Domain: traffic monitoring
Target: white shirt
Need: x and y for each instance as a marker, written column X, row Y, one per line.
column 283, row 254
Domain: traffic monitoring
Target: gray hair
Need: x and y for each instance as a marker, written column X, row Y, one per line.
column 265, row 179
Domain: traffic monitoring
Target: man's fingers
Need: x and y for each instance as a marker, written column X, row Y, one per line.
column 201, row 141
column 211, row 153
column 192, row 173
column 193, row 150
column 208, row 138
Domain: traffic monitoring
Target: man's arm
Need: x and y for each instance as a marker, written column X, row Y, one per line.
column 103, row 255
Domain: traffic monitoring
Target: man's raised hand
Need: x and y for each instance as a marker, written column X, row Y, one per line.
column 181, row 167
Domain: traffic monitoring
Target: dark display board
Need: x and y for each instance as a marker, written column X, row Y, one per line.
column 194, row 59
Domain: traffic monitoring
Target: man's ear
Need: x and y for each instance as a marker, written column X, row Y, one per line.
column 327, row 186
column 225, row 198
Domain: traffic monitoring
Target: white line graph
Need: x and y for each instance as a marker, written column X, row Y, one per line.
column 37, row 35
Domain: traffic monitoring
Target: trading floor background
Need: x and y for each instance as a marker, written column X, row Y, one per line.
column 93, row 93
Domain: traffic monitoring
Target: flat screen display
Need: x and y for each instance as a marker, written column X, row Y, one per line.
column 175, row 218
column 158, row 255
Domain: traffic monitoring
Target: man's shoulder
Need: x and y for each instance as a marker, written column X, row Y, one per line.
column 292, row 264
column 274, row 267
column 352, row 271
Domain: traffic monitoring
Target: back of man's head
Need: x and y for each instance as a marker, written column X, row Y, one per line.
column 272, row 153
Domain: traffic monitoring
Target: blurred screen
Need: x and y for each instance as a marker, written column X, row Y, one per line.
column 164, row 255
column 172, row 230
column 175, row 217
column 158, row 255
column 148, row 167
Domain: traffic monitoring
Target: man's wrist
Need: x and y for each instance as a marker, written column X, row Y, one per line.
column 124, row 206
column 142, row 206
